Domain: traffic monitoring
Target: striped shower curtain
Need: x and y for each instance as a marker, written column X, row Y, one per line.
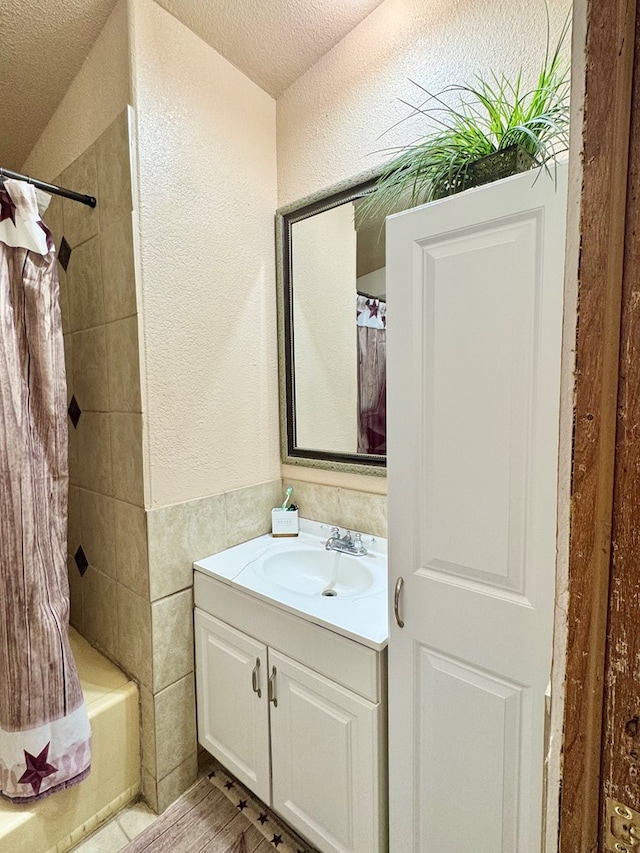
column 371, row 321
column 44, row 728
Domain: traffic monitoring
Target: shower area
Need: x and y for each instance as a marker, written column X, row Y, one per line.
column 106, row 549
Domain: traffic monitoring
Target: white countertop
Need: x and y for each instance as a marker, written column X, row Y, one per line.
column 360, row 617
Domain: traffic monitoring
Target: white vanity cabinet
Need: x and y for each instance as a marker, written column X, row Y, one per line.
column 324, row 758
column 297, row 713
column 233, row 715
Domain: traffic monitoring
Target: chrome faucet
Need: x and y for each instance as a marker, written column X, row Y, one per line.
column 346, row 544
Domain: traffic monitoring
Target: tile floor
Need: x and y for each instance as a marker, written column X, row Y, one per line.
column 114, row 835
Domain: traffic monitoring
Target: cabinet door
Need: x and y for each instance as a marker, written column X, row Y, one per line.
column 233, row 712
column 476, row 286
column 325, row 759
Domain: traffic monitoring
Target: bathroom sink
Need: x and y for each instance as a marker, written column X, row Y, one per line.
column 312, row 572
column 345, row 593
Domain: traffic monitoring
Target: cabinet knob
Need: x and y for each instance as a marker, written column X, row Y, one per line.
column 255, row 679
column 272, row 687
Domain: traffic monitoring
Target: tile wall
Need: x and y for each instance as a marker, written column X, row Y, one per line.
column 107, row 538
column 130, row 569
column 178, row 535
column 345, row 507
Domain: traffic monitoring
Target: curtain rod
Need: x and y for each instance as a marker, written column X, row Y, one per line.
column 89, row 200
column 369, row 296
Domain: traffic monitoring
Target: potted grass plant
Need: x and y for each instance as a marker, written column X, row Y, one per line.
column 483, row 131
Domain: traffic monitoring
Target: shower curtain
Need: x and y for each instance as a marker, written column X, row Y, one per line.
column 371, row 320
column 44, row 728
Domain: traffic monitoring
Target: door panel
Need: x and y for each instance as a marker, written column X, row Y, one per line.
column 470, row 721
column 474, row 479
column 475, row 289
column 233, row 721
column 325, row 759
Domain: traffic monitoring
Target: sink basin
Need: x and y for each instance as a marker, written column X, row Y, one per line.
column 292, row 574
column 313, row 572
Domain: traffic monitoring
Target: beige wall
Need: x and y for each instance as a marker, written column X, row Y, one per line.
column 98, row 94
column 207, row 195
column 330, row 120
column 207, row 184
column 204, row 194
column 355, row 482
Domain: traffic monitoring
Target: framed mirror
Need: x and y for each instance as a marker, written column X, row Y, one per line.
column 332, row 317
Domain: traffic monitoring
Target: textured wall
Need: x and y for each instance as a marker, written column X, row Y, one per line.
column 207, row 195
column 331, row 118
column 43, row 48
column 97, row 95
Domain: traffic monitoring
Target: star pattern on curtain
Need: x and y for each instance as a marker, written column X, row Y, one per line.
column 7, row 206
column 48, row 235
column 38, row 768
column 43, row 701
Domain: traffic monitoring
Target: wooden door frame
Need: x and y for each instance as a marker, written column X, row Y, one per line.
column 609, row 147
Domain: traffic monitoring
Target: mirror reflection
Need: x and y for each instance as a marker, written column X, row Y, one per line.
column 335, row 320
column 339, row 316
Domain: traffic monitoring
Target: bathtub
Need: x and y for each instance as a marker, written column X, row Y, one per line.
column 56, row 823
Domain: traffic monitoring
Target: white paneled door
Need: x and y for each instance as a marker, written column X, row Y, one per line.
column 475, row 291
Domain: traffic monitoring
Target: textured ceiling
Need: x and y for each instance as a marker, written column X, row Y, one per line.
column 43, row 45
column 273, row 42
